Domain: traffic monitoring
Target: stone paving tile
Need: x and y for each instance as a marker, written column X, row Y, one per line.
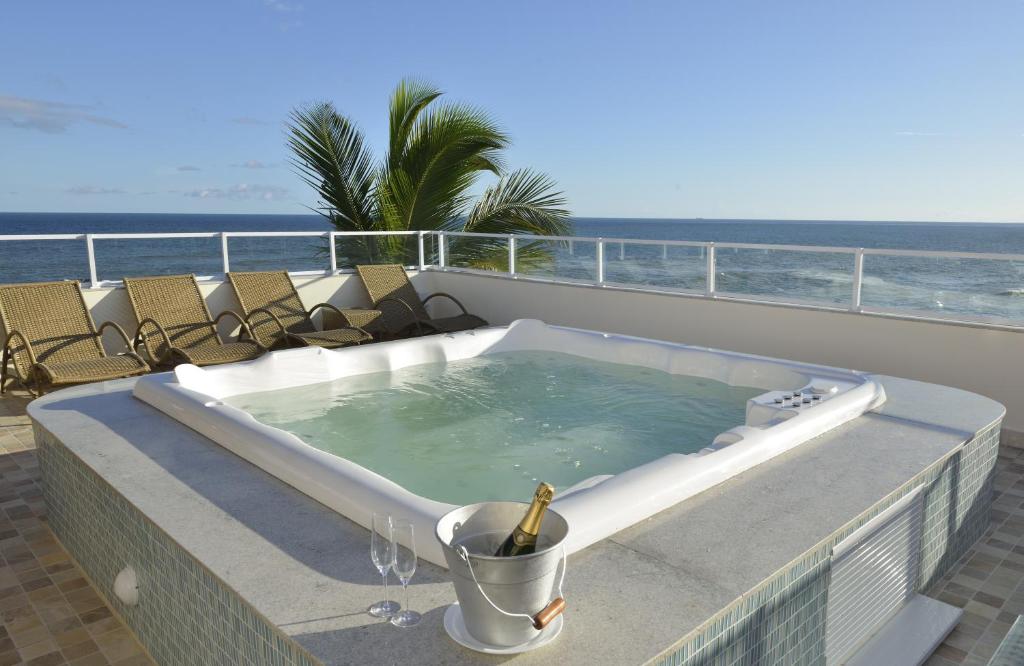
column 49, row 614
column 988, row 581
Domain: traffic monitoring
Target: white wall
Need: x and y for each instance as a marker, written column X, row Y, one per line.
column 982, row 360
column 978, row 359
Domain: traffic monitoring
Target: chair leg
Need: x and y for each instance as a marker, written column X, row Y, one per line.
column 33, row 381
column 3, row 369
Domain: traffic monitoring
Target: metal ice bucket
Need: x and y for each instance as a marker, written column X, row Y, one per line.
column 521, row 584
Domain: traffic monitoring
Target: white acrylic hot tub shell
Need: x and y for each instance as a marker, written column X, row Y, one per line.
column 595, row 508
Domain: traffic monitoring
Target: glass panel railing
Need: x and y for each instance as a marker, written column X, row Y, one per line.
column 276, row 253
column 945, row 287
column 785, row 275
column 43, row 261
column 352, row 251
column 135, row 257
column 480, row 253
column 682, row 267
column 557, row 259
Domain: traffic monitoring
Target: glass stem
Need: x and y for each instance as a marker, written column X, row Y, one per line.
column 405, row 586
column 384, row 577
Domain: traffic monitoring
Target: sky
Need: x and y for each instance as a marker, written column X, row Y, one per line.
column 869, row 110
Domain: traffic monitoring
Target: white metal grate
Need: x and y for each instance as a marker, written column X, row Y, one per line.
column 874, row 572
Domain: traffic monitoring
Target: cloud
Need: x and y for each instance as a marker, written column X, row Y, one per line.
column 189, row 167
column 912, row 133
column 246, row 120
column 287, row 11
column 282, row 6
column 92, row 189
column 49, row 117
column 241, row 191
column 252, row 164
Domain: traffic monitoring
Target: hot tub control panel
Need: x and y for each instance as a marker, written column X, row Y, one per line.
column 777, row 406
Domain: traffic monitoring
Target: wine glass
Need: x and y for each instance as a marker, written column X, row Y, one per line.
column 404, row 564
column 382, row 553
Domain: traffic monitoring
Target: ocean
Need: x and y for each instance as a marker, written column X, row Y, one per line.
column 964, row 288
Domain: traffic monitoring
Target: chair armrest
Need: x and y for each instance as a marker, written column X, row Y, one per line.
column 327, row 306
column 347, row 324
column 140, row 338
column 449, row 297
column 25, row 343
column 263, row 311
column 241, row 322
column 116, row 327
column 402, row 305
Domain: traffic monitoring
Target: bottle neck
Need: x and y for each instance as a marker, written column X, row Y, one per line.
column 532, row 520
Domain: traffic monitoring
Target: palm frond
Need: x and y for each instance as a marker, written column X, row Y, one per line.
column 407, row 101
column 329, row 154
column 444, row 153
column 523, row 202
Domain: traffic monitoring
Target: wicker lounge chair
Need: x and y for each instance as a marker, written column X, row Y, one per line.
column 51, row 339
column 276, row 315
column 404, row 311
column 175, row 325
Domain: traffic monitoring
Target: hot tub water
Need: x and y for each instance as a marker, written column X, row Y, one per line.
column 491, row 426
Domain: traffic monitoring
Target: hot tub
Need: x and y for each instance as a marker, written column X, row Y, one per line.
column 365, row 429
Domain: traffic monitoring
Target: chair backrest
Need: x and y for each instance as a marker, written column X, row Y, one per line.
column 390, row 281
column 174, row 302
column 273, row 291
column 54, row 318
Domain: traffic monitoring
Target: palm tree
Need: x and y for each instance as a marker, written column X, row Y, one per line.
column 436, row 153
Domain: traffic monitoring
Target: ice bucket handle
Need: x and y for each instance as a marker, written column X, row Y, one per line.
column 544, row 616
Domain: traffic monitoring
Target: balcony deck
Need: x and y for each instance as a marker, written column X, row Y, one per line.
column 51, row 614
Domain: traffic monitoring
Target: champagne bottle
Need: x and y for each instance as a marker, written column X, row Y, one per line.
column 523, row 539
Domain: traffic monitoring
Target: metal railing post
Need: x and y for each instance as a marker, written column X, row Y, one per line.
column 511, row 255
column 91, row 252
column 600, row 260
column 332, row 251
column 858, row 279
column 709, row 289
column 442, row 241
column 421, row 252
column 224, row 252
column 622, row 251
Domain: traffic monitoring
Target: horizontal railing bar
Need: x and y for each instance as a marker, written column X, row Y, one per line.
column 196, row 234
column 578, row 239
column 378, row 233
column 475, row 234
column 788, row 248
column 41, row 237
column 648, row 241
column 272, row 234
column 940, row 254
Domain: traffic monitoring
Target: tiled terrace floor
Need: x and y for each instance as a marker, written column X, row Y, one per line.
column 51, row 615
column 988, row 583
